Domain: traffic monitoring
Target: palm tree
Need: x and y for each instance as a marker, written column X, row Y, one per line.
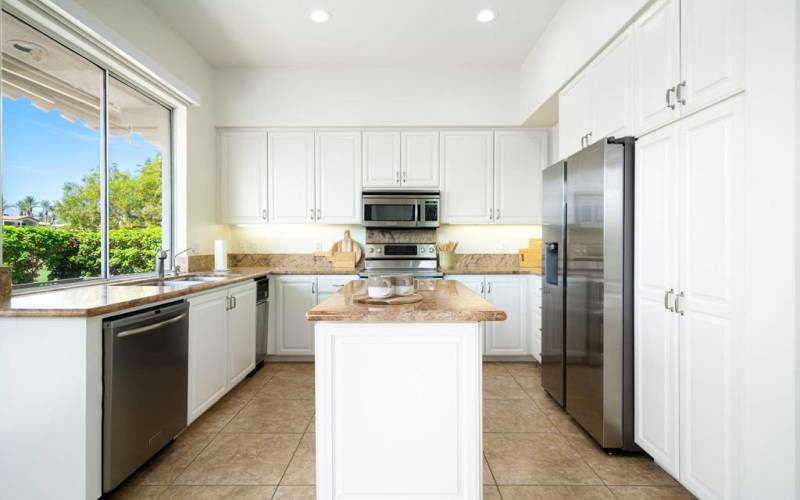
column 26, row 206
column 46, row 211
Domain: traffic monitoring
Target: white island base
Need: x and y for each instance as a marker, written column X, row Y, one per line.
column 398, row 410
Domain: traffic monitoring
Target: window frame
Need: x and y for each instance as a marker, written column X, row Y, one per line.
column 168, row 190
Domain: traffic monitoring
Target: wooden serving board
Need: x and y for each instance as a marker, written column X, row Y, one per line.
column 389, row 301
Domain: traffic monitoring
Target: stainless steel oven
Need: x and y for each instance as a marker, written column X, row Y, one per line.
column 392, row 209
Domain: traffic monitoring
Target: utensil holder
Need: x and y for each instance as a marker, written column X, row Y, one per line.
column 447, row 260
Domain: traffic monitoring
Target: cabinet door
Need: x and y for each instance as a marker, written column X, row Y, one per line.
column 243, row 176
column 241, row 333
column 419, row 158
column 338, row 178
column 207, row 351
column 327, row 285
column 612, row 80
column 509, row 337
column 657, row 65
column 295, row 295
column 381, row 160
column 574, row 114
column 291, row 177
column 656, row 271
column 712, row 51
column 711, row 242
column 519, row 156
column 467, row 192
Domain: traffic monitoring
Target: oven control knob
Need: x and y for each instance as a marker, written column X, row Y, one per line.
column 378, row 250
column 431, row 250
column 370, row 250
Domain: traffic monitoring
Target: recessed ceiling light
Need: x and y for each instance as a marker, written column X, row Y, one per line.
column 486, row 16
column 319, row 16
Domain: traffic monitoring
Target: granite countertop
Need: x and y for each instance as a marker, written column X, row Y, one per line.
column 441, row 301
column 111, row 297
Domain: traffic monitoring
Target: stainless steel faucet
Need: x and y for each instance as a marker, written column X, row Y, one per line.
column 161, row 258
column 176, row 268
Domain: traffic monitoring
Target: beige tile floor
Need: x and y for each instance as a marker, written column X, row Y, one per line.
column 258, row 443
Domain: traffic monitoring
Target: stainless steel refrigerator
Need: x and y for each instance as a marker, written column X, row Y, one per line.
column 587, row 289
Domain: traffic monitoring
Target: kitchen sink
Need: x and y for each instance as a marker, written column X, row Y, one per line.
column 201, row 278
column 176, row 281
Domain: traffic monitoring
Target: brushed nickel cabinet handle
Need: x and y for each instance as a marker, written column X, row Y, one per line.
column 497, row 214
column 398, row 177
column 311, row 214
column 676, row 303
column 264, row 214
column 319, row 214
column 679, row 93
column 670, row 104
column 405, row 176
column 666, row 300
column 491, row 214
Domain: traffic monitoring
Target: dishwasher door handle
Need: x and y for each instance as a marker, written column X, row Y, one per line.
column 143, row 329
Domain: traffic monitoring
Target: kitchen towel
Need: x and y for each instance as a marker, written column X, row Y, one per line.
column 220, row 255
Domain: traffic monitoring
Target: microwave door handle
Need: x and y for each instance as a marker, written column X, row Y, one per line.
column 417, row 213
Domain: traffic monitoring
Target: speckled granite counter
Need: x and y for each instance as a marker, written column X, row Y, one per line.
column 441, row 301
column 494, row 270
column 110, row 297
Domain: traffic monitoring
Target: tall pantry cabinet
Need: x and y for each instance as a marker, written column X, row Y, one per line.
column 688, row 304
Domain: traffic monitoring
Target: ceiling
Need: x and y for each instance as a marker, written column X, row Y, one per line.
column 257, row 33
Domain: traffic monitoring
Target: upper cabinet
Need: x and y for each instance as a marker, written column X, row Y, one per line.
column 467, row 158
column 689, row 55
column 598, row 102
column 419, row 159
column 291, row 177
column 338, row 177
column 401, row 160
column 492, row 177
column 381, row 160
column 519, row 156
column 243, row 176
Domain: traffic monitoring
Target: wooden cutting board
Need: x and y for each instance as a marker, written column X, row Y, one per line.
column 363, row 298
column 347, row 244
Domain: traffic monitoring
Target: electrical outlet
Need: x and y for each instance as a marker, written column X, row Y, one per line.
column 319, row 245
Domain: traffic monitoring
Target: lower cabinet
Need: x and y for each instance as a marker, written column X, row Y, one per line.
column 222, row 335
column 293, row 297
column 512, row 337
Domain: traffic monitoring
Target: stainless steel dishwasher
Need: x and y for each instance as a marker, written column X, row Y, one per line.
column 145, row 372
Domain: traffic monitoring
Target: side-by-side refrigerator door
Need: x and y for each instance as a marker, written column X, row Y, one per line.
column 553, row 231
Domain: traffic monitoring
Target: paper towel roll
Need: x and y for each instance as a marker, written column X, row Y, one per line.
column 220, row 255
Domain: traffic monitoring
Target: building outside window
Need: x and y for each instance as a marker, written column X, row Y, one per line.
column 86, row 166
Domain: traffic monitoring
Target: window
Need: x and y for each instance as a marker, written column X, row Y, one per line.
column 83, row 197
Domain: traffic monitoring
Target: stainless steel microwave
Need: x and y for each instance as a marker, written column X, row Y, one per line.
column 393, row 209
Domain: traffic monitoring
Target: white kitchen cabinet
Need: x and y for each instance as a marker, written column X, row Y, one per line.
column 338, row 177
column 574, row 114
column 381, row 154
column 657, row 65
column 688, row 206
column 712, row 51
column 294, row 296
column 467, row 177
column 327, row 285
column 291, row 177
column 243, row 176
column 510, row 293
column 509, row 337
column 519, row 157
column 208, row 344
column 222, row 343
column 656, row 269
column 689, row 54
column 419, row 158
column 598, row 102
column 241, row 332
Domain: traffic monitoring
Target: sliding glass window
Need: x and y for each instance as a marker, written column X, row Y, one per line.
column 84, row 197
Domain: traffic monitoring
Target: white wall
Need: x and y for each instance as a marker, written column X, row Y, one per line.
column 769, row 375
column 577, row 32
column 156, row 45
column 302, row 238
column 367, row 96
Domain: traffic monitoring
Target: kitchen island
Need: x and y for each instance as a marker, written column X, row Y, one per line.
column 398, row 394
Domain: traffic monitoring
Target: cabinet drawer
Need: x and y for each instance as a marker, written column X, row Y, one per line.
column 332, row 283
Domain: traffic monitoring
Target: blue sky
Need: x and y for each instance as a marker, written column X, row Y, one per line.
column 42, row 151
